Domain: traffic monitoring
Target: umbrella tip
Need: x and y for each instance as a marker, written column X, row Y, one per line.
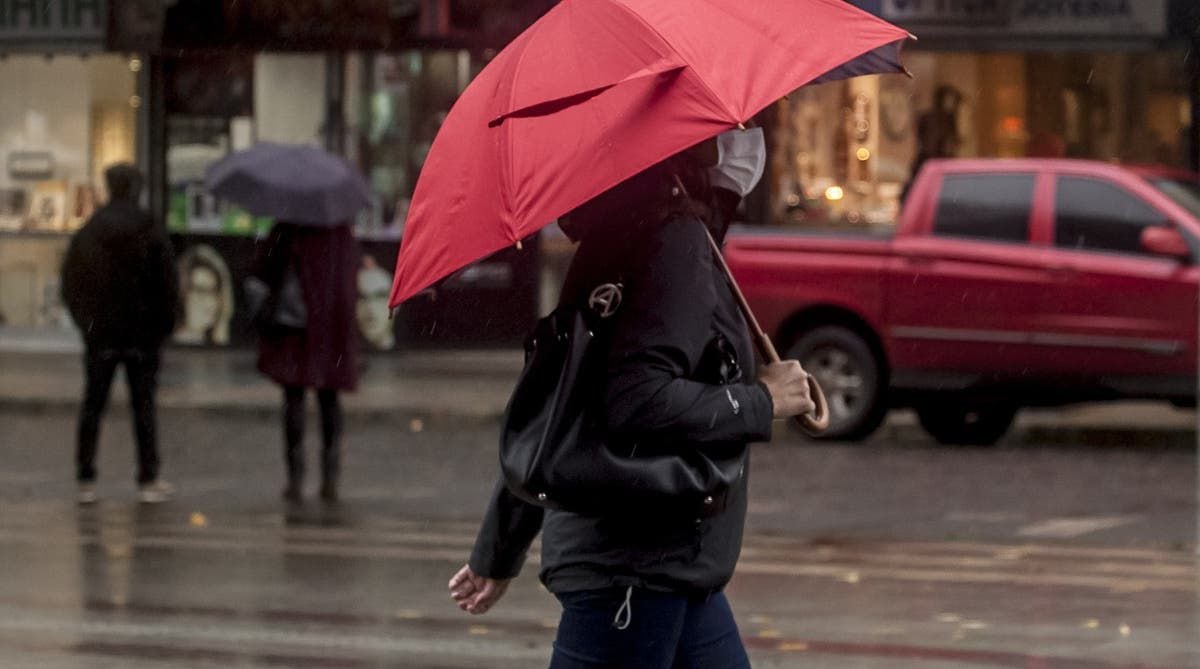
column 520, row 246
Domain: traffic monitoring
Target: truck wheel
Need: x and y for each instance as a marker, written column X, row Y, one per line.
column 850, row 374
column 956, row 424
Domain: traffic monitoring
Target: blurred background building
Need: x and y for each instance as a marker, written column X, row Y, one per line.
column 1108, row 80
column 176, row 84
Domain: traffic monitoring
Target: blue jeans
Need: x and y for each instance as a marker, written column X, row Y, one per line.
column 641, row 629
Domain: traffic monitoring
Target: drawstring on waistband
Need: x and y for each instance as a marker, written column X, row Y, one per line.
column 625, row 613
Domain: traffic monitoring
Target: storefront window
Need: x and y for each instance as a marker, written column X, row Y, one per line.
column 844, row 153
column 63, row 120
column 403, row 100
column 381, row 111
column 217, row 105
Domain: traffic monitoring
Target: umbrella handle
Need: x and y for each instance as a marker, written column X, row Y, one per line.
column 815, row 422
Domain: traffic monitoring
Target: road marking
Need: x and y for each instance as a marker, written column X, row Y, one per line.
column 226, row 643
column 1068, row 579
column 1070, row 528
column 1103, row 569
column 226, row 635
column 1063, row 579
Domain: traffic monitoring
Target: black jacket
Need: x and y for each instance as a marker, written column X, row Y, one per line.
column 119, row 280
column 676, row 306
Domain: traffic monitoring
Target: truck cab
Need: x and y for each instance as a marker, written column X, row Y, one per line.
column 1007, row 283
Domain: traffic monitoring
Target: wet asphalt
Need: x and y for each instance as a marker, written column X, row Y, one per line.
column 1046, row 551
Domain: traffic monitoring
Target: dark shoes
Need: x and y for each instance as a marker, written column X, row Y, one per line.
column 329, row 492
column 293, row 493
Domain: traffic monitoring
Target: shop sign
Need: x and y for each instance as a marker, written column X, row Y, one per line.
column 48, row 22
column 1028, row 18
column 30, row 165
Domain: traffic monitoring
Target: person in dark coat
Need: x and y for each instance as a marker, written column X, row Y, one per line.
column 119, row 283
column 323, row 355
column 646, row 591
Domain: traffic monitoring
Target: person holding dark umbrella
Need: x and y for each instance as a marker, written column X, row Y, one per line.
column 323, row 354
column 303, row 288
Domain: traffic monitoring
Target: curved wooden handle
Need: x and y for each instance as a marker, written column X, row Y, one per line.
column 814, row 423
column 818, row 421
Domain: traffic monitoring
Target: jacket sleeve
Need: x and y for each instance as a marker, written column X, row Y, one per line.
column 660, row 336
column 166, row 278
column 508, row 529
column 69, row 287
column 76, row 287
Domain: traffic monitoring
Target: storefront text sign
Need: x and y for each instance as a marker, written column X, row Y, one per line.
column 1036, row 18
column 30, row 165
column 52, row 22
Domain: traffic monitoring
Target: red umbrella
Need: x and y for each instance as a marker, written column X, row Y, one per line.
column 599, row 90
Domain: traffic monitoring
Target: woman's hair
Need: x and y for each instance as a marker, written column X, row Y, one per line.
column 677, row 186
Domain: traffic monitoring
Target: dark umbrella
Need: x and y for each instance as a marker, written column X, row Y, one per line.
column 297, row 184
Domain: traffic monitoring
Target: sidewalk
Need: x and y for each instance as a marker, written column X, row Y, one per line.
column 462, row 385
column 452, row 386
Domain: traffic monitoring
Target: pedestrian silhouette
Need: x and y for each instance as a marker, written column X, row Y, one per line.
column 308, row 337
column 119, row 283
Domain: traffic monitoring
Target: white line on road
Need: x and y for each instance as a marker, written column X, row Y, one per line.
column 883, row 564
column 1070, row 528
column 225, row 636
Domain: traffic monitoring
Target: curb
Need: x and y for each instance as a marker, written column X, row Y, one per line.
column 399, row 415
column 896, row 430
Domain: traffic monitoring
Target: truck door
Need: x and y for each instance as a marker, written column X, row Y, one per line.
column 1116, row 313
column 962, row 293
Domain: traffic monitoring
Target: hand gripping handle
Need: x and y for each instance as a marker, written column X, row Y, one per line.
column 814, row 423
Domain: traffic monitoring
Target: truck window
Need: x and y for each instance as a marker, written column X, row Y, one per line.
column 1098, row 216
column 993, row 207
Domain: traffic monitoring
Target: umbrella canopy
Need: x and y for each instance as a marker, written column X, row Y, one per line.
column 297, row 184
column 597, row 91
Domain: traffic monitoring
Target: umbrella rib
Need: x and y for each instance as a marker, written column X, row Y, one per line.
column 507, row 128
column 731, row 116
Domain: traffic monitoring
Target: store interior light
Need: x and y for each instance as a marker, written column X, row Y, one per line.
column 863, row 154
column 135, row 64
column 1012, row 125
column 834, row 193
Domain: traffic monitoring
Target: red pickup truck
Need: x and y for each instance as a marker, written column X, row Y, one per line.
column 1006, row 284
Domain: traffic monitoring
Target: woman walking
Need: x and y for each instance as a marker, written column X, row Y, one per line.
column 322, row 353
column 647, row 591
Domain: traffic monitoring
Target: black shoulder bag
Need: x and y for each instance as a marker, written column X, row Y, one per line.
column 277, row 307
column 554, row 452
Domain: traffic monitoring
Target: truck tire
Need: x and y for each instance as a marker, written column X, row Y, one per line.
column 851, row 375
column 964, row 425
